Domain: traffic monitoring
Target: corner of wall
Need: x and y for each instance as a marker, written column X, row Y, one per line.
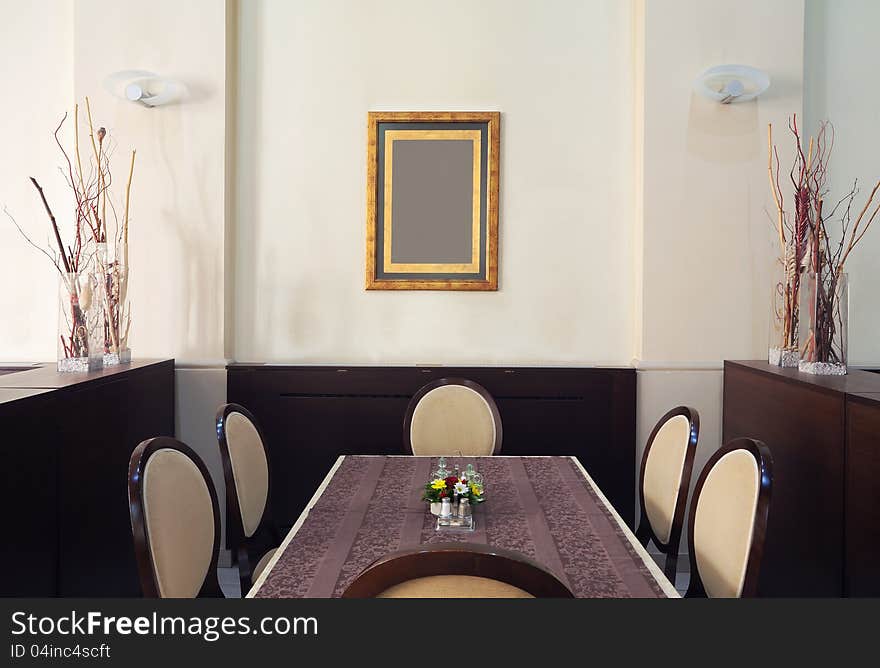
column 638, row 219
column 230, row 175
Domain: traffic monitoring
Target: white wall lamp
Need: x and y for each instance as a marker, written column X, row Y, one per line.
column 732, row 83
column 146, row 88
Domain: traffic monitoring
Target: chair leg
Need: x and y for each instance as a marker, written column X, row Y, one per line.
column 642, row 534
column 244, row 570
column 671, row 567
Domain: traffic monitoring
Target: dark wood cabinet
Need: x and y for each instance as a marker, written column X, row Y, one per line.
column 312, row 414
column 28, row 494
column 806, row 422
column 863, row 494
column 66, row 451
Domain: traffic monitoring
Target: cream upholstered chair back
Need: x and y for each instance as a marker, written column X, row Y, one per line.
column 453, row 586
column 456, row 570
column 664, row 479
column 248, row 463
column 728, row 520
column 251, row 531
column 175, row 520
column 452, row 416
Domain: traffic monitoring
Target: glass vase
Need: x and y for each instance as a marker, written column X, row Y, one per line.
column 80, row 322
column 782, row 348
column 824, row 322
column 116, row 350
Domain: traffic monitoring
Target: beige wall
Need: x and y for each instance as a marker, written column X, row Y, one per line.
column 37, row 86
column 707, row 237
column 838, row 88
column 707, row 245
column 633, row 219
column 178, row 202
column 177, row 224
column 178, row 197
column 681, row 288
column 562, row 79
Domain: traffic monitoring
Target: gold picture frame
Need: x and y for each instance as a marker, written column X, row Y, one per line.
column 432, row 200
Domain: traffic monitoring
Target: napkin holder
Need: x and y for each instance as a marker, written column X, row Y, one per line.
column 454, row 523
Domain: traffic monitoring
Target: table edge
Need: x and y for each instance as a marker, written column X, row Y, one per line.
column 295, row 528
column 667, row 587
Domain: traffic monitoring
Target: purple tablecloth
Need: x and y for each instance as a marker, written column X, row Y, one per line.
column 542, row 507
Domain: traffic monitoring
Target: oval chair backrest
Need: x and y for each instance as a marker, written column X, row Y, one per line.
column 664, row 468
column 456, row 570
column 453, row 417
column 729, row 519
column 178, row 506
column 453, row 586
column 250, row 469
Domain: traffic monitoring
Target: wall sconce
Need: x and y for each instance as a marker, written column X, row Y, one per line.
column 732, row 83
column 146, row 88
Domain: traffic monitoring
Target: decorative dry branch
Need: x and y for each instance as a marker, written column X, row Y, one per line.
column 820, row 243
column 777, row 196
column 67, row 261
column 90, row 182
column 793, row 245
column 52, row 259
column 125, row 213
column 810, row 254
column 853, row 239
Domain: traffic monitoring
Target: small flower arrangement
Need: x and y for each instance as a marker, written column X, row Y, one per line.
column 442, row 488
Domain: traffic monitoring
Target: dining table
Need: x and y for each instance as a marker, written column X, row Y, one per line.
column 546, row 508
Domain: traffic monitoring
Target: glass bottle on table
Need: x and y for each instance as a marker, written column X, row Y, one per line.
column 469, row 473
column 441, row 471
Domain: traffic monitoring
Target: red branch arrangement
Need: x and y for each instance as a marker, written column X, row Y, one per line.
column 809, row 250
column 792, row 228
column 86, row 252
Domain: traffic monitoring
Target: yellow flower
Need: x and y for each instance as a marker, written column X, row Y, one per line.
column 439, row 483
column 476, row 491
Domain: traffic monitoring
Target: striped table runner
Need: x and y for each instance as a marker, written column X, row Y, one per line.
column 546, row 508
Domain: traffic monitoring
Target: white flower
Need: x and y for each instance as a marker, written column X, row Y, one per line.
column 461, row 488
column 85, row 295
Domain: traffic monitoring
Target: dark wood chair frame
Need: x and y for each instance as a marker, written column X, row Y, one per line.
column 246, row 551
column 137, row 464
column 457, row 559
column 764, row 460
column 476, row 387
column 645, row 533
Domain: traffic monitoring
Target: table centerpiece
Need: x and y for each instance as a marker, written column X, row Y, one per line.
column 453, row 488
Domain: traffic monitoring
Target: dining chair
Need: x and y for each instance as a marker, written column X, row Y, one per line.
column 728, row 520
column 452, row 416
column 664, row 480
column 456, row 570
column 250, row 527
column 175, row 520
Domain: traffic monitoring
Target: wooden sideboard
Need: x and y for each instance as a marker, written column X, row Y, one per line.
column 65, row 441
column 862, row 502
column 312, row 414
column 823, row 534
column 28, row 493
